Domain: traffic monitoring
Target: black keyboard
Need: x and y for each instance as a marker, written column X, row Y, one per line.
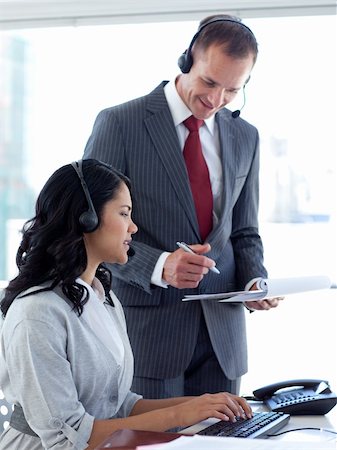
column 259, row 426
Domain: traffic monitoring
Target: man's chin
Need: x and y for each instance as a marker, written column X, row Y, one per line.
column 206, row 113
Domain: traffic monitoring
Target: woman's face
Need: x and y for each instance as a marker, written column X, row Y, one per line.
column 110, row 241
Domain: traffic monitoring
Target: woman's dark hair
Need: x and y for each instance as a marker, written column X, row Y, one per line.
column 52, row 250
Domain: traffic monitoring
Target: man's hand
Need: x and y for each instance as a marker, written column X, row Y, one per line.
column 186, row 270
column 265, row 304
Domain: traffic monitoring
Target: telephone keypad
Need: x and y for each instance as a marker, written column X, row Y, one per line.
column 292, row 397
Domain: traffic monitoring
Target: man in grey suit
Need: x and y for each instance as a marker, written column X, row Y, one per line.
column 188, row 348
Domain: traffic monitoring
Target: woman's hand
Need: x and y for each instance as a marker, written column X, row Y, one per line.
column 165, row 414
column 223, row 406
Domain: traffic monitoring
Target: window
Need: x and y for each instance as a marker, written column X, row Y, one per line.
column 54, row 82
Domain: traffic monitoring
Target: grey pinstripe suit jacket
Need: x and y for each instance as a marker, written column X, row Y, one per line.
column 139, row 139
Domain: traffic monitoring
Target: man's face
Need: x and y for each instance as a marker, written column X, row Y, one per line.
column 213, row 81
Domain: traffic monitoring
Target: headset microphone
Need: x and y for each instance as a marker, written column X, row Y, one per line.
column 131, row 251
column 237, row 112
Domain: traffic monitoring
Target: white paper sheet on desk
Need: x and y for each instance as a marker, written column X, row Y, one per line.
column 197, row 442
column 277, row 287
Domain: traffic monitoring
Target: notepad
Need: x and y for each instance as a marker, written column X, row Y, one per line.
column 268, row 288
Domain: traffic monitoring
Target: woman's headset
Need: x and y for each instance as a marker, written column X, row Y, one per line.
column 88, row 219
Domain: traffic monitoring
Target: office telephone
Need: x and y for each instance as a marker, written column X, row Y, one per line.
column 306, row 396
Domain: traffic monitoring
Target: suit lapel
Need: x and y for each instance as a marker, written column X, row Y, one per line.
column 229, row 164
column 163, row 134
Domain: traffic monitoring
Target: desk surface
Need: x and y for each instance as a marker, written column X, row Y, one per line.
column 129, row 439
column 327, row 421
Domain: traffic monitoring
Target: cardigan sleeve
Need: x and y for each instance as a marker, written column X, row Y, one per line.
column 40, row 374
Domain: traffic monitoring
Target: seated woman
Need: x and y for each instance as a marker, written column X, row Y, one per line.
column 66, row 361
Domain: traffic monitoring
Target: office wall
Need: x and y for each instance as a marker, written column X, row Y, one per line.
column 68, row 74
column 23, row 14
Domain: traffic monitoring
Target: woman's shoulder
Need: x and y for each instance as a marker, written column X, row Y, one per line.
column 38, row 304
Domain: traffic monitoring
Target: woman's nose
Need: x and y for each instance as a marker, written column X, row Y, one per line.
column 133, row 228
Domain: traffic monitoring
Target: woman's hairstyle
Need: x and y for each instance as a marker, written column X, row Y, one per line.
column 52, row 250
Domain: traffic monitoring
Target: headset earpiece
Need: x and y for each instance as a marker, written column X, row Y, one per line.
column 88, row 219
column 185, row 62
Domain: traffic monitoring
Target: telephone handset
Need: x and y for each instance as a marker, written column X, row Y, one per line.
column 307, row 397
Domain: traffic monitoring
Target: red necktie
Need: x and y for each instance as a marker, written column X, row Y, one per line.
column 199, row 177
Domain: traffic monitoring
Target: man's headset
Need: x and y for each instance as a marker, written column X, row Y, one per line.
column 185, row 61
column 88, row 219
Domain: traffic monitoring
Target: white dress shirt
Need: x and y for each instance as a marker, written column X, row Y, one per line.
column 210, row 142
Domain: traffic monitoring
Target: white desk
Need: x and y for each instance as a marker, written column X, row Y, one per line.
column 328, row 421
column 298, row 440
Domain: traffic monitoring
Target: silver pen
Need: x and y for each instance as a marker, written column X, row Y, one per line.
column 188, row 249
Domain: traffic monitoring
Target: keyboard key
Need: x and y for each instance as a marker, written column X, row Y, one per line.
column 259, row 425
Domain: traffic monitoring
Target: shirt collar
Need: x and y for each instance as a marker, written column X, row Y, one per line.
column 179, row 110
column 95, row 288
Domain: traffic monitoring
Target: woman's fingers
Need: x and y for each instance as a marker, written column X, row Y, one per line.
column 231, row 405
column 223, row 406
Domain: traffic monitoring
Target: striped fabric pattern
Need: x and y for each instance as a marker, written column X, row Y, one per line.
column 139, row 138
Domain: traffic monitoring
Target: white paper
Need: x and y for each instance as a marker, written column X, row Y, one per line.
column 277, row 287
column 197, row 442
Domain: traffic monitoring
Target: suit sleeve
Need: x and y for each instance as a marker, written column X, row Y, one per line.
column 106, row 141
column 106, row 144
